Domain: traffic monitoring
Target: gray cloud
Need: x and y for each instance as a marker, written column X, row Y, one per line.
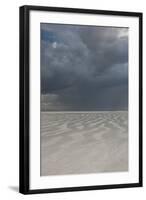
column 84, row 67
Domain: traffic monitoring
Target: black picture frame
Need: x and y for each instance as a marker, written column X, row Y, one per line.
column 24, row 123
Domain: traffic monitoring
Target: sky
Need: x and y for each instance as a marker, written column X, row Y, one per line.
column 84, row 68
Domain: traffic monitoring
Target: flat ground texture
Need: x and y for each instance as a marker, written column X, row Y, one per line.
column 84, row 142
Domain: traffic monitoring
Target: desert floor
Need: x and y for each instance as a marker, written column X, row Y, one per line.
column 84, row 142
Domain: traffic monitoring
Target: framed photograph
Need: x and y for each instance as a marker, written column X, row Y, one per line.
column 80, row 99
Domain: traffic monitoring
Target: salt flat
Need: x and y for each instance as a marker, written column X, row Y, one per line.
column 84, row 142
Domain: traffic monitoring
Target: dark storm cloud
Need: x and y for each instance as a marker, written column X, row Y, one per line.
column 84, row 67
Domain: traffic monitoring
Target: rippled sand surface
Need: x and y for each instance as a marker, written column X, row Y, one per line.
column 84, row 142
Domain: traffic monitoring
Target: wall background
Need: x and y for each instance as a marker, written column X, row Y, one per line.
column 9, row 99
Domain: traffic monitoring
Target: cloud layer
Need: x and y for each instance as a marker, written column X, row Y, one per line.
column 84, row 68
